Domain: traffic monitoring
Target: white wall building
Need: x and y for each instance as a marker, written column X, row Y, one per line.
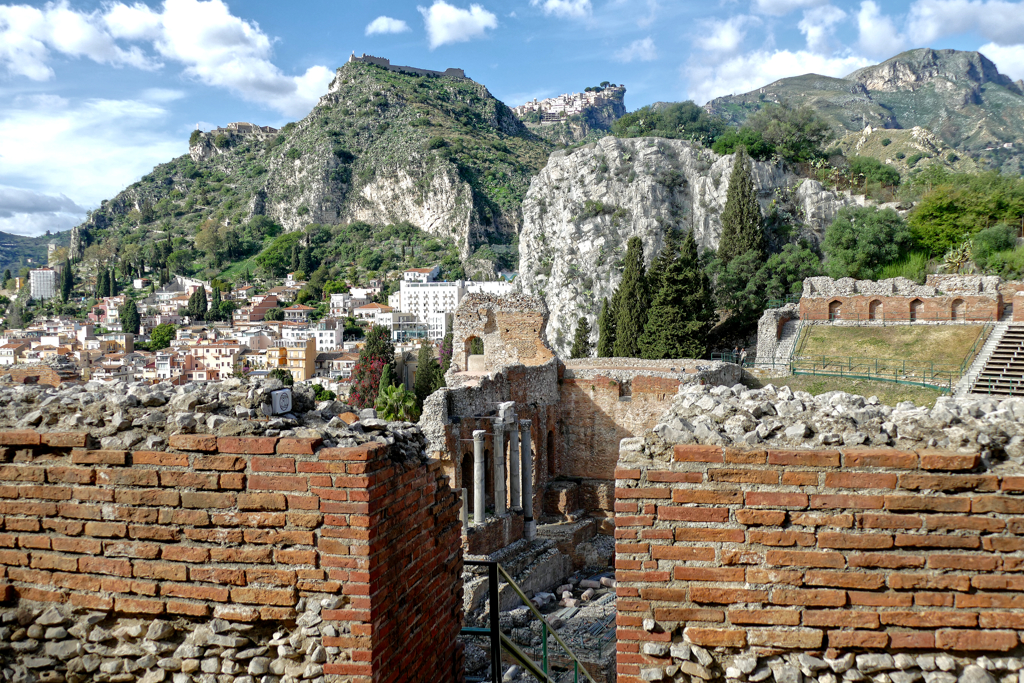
column 43, row 283
column 421, row 274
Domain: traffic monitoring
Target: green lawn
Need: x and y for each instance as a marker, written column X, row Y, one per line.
column 939, row 344
column 888, row 393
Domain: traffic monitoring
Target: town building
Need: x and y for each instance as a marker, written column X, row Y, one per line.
column 42, row 283
column 421, row 274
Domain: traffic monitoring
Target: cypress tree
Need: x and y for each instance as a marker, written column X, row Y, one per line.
column 387, row 378
column 741, row 218
column 129, row 313
column 101, row 283
column 66, row 281
column 111, row 283
column 295, row 257
column 215, row 304
column 681, row 313
column 201, row 306
column 427, row 372
column 633, row 301
column 581, row 343
column 606, row 329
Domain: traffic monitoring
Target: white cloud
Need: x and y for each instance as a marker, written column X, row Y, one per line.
column 116, row 136
column 28, row 36
column 818, row 25
column 642, row 50
column 449, row 24
column 997, row 20
column 746, row 72
column 216, row 47
column 1008, row 58
column 383, row 24
column 723, row 36
column 878, row 35
column 162, row 94
column 778, row 8
column 573, row 9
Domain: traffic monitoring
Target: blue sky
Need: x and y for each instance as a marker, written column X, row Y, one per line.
column 94, row 94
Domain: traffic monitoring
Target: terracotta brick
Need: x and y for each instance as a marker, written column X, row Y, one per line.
column 929, row 619
column 688, row 614
column 264, row 596
column 693, row 453
column 885, row 560
column 65, row 439
column 834, row 539
column 838, row 618
column 805, row 558
column 761, row 517
column 207, row 500
column 869, row 520
column 193, row 442
column 159, row 458
column 726, row 596
column 800, row 478
column 764, row 617
column 718, row 575
column 743, row 476
column 911, row 641
column 860, row 480
column 804, row 458
column 672, row 477
column 776, row 499
column 260, row 482
column 846, row 502
column 778, row 538
column 1002, row 504
column 966, row 641
column 889, row 458
column 656, row 493
column 282, row 465
column 816, row 519
column 869, row 640
column 299, row 446
column 810, row 597
column 249, row 445
column 262, row 501
column 861, row 580
column 19, row 437
column 741, row 457
column 620, row 473
column 83, row 457
column 937, row 503
column 138, row 606
column 70, row 475
column 775, row 577
column 220, row 463
column 704, row 497
column 939, row 460
column 963, row 562
column 687, row 553
column 949, row 482
column 803, row 638
column 715, row 637
column 693, row 514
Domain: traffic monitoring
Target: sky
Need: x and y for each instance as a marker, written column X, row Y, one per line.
column 94, row 94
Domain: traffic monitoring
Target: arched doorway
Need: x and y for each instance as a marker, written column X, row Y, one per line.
column 958, row 311
column 473, row 355
column 876, row 310
column 916, row 309
column 835, row 310
column 551, row 453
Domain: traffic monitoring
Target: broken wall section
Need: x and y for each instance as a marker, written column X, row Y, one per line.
column 752, row 564
column 363, row 541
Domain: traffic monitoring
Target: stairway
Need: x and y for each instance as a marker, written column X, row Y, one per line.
column 787, row 342
column 966, row 383
column 1003, row 371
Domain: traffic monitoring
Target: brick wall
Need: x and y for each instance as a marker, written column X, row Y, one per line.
column 852, row 549
column 241, row 528
column 864, row 307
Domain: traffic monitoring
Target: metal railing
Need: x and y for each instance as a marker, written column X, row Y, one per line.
column 883, row 319
column 500, row 642
column 779, row 303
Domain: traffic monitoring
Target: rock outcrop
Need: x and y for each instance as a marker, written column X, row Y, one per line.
column 583, row 207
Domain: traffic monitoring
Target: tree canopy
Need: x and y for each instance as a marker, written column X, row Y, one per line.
column 862, row 240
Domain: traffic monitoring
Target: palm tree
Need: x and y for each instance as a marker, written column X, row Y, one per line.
column 397, row 403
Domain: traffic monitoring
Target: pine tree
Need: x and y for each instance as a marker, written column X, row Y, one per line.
column 606, row 329
column 741, row 218
column 681, row 313
column 427, row 372
column 66, row 281
column 581, row 343
column 633, row 301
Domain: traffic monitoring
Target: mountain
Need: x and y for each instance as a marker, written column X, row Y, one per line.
column 958, row 96
column 384, row 145
column 17, row 251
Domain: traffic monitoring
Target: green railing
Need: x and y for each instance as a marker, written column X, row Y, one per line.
column 502, row 643
column 843, row 318
column 779, row 303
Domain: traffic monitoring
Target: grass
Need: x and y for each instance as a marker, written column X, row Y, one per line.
column 913, row 266
column 946, row 345
column 888, row 393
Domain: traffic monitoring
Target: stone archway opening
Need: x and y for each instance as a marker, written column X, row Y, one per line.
column 835, row 310
column 473, row 355
column 958, row 311
column 916, row 309
column 876, row 310
column 466, row 470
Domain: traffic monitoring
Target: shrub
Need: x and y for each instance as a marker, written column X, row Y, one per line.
column 990, row 241
column 886, row 142
column 283, row 375
column 436, row 142
column 914, row 158
column 194, row 138
column 753, row 140
column 221, row 141
column 913, row 266
column 874, row 170
column 294, row 153
column 900, row 155
column 861, row 240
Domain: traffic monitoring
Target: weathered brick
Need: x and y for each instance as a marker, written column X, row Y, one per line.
column 860, row 480
column 776, row 499
column 207, row 500
column 83, row 457
column 264, row 596
column 869, row 640
column 764, row 617
column 839, row 618
column 835, row 539
column 939, row 460
column 262, row 501
column 220, row 463
column 193, row 442
column 299, row 446
column 694, row 453
column 761, row 517
column 861, row 580
column 810, row 597
column 726, row 596
column 965, row 641
column 890, row 458
column 19, row 437
column 65, row 439
column 159, row 458
column 804, row 458
column 715, row 637
column 261, row 482
column 805, row 558
column 693, row 514
column 248, row 445
column 739, row 476
column 803, row 638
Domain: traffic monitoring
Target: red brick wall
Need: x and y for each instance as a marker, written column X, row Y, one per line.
column 241, row 528
column 898, row 307
column 851, row 549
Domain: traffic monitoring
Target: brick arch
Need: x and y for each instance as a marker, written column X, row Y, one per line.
column 835, row 309
column 916, row 309
column 876, row 310
column 958, row 309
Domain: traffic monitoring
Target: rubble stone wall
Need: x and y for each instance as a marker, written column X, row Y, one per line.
column 511, row 329
column 855, row 550
column 241, row 529
column 889, row 308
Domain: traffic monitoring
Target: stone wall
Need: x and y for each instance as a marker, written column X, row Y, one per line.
column 510, row 327
column 240, row 529
column 942, row 298
column 789, row 554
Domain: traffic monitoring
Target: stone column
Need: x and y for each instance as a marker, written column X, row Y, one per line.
column 464, row 517
column 529, row 526
column 498, row 442
column 514, row 480
column 479, row 477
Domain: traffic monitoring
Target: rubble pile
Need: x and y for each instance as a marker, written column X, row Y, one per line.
column 139, row 415
column 60, row 645
column 781, row 418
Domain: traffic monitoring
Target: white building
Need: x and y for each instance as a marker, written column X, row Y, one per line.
column 421, row 274
column 43, row 283
column 438, row 325
column 341, row 305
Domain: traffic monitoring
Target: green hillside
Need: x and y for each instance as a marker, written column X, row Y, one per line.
column 18, row 251
column 381, row 148
column 960, row 97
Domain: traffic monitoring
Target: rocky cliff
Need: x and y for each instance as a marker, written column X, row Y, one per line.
column 381, row 147
column 583, row 207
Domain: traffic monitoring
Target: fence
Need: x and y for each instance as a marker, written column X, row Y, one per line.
column 499, row 642
column 895, row 319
